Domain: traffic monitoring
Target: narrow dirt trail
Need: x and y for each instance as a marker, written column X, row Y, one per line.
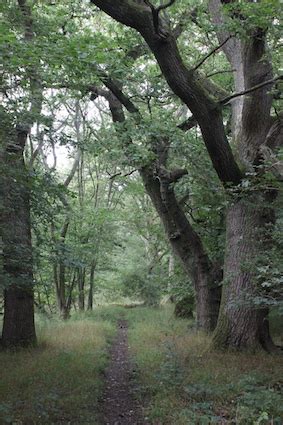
column 119, row 405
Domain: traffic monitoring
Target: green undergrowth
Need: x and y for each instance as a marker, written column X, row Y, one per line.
column 60, row 381
column 184, row 383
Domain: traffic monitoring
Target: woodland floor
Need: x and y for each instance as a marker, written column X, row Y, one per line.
column 119, row 406
column 137, row 366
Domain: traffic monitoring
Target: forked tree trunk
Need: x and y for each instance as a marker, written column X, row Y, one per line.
column 241, row 324
column 18, row 326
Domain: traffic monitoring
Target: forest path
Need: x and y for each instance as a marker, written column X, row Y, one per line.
column 119, row 405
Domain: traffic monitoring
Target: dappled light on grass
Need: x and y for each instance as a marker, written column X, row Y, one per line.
column 60, row 380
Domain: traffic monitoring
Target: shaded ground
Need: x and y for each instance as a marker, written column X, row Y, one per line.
column 119, row 405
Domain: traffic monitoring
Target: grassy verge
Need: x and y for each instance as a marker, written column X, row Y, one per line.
column 58, row 382
column 186, row 384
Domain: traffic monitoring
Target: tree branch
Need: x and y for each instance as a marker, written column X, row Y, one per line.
column 188, row 124
column 155, row 16
column 183, row 83
column 211, row 53
column 123, row 175
column 250, row 90
column 113, row 86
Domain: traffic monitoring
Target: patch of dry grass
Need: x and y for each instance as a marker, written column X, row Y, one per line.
column 59, row 381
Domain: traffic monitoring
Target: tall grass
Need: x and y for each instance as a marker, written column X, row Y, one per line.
column 185, row 383
column 58, row 382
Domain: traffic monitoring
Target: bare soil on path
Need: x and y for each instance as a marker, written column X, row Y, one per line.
column 119, row 406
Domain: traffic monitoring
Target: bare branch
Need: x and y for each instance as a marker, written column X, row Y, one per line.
column 211, row 53
column 224, row 71
column 251, row 89
column 123, row 175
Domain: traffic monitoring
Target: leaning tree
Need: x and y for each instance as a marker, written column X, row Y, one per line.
column 255, row 134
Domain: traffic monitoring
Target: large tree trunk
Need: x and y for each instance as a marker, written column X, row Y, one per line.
column 187, row 246
column 18, row 326
column 241, row 324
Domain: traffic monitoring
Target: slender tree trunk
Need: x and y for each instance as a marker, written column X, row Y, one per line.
column 241, row 324
column 60, row 288
column 59, row 270
column 70, row 294
column 91, row 288
column 62, row 292
column 18, row 326
column 81, row 284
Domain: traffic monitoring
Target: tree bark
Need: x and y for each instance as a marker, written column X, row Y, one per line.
column 187, row 246
column 59, row 270
column 81, row 286
column 91, row 287
column 18, row 326
column 241, row 324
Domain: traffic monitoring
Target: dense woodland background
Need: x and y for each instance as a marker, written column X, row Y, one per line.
column 141, row 163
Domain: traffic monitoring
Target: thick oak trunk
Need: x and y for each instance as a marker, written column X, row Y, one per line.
column 18, row 326
column 241, row 324
column 187, row 246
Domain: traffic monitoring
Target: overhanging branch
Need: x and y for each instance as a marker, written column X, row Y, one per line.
column 250, row 90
